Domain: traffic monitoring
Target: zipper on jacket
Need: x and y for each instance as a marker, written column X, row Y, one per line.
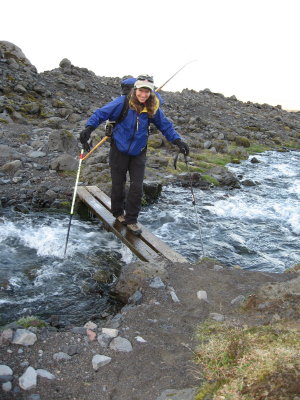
column 136, row 129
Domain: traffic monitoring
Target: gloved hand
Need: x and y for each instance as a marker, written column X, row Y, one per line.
column 183, row 147
column 84, row 137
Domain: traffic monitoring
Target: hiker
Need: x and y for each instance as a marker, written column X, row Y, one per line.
column 129, row 145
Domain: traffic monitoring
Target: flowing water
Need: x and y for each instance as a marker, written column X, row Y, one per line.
column 256, row 227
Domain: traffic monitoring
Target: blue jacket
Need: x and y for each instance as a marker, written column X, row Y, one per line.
column 131, row 134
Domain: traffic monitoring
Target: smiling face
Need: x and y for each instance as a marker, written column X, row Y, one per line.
column 142, row 94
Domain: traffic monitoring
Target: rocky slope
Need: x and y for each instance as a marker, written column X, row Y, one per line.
column 41, row 116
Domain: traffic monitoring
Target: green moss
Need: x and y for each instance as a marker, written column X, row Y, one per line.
column 3, row 121
column 31, row 320
column 240, row 362
column 242, row 141
column 211, row 179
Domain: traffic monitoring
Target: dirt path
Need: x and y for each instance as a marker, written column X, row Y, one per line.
column 164, row 361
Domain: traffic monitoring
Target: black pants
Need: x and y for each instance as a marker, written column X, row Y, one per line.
column 120, row 164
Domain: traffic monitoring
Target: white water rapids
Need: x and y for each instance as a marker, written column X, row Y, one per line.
column 256, row 227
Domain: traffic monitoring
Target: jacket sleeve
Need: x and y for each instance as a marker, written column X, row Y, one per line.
column 110, row 111
column 165, row 126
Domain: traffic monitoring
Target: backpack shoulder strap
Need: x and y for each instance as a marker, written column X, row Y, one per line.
column 124, row 111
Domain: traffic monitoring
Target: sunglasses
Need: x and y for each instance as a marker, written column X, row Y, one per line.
column 145, row 78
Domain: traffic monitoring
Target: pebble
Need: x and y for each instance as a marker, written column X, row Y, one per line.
column 157, row 283
column 238, row 300
column 29, row 379
column 202, row 295
column 60, row 356
column 24, row 337
column 121, row 344
column 100, row 360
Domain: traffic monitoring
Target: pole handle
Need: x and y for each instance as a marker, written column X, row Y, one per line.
column 95, row 147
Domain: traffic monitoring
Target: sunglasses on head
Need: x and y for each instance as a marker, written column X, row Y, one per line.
column 145, row 78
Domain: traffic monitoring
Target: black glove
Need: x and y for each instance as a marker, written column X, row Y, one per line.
column 84, row 137
column 183, row 147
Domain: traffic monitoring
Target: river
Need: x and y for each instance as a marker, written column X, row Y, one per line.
column 255, row 227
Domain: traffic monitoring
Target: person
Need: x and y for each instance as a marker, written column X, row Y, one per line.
column 129, row 145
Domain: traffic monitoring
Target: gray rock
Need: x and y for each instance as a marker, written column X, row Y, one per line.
column 238, row 300
column 202, row 295
column 112, row 333
column 6, row 386
column 217, row 317
column 45, row 374
column 61, row 356
column 24, row 337
column 36, row 154
column 29, row 379
column 5, row 370
column 104, row 339
column 120, row 344
column 64, row 162
column 11, row 166
column 157, row 283
column 136, row 298
column 99, row 360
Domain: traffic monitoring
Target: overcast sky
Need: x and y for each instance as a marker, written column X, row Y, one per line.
column 246, row 48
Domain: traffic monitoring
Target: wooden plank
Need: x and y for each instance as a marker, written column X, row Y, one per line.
column 135, row 244
column 148, row 237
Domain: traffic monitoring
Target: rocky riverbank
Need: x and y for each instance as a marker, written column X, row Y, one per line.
column 147, row 351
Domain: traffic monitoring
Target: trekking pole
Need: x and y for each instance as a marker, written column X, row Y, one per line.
column 193, row 197
column 81, row 158
column 157, row 90
column 95, row 147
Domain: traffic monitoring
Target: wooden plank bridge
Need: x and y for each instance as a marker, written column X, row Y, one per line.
column 147, row 246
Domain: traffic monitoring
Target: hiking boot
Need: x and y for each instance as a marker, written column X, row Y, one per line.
column 121, row 218
column 134, row 229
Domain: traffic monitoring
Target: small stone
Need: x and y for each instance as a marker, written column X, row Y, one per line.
column 5, row 370
column 121, row 344
column 238, row 300
column 217, row 317
column 91, row 335
column 104, row 339
column 202, row 295
column 7, row 386
column 140, row 339
column 28, row 380
column 100, row 360
column 91, row 325
column 60, row 356
column 157, row 283
column 24, row 337
column 45, row 374
column 174, row 297
column 110, row 332
column 218, row 267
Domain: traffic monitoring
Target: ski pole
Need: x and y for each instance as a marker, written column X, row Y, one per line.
column 95, row 147
column 193, row 197
column 74, row 197
column 157, row 90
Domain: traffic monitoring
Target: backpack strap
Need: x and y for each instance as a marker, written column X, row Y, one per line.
column 124, row 111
